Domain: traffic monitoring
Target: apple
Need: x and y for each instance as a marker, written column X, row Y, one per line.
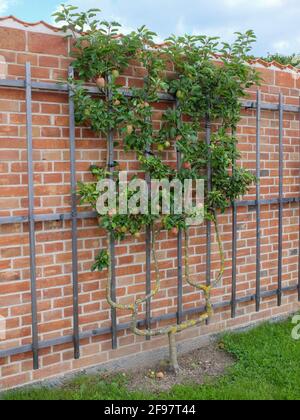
column 112, row 213
column 158, row 225
column 174, row 231
column 187, row 165
column 117, row 102
column 137, row 235
column 100, row 82
column 160, row 375
column 160, row 147
column 129, row 129
column 115, row 73
column 124, row 229
column 144, row 105
column 180, row 94
column 167, row 144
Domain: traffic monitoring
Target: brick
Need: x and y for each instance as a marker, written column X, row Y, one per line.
column 12, row 39
column 47, row 44
column 9, row 106
column 12, row 191
column 17, row 118
column 6, row 289
column 89, row 361
column 51, row 360
column 45, row 61
column 55, row 326
column 59, row 74
column 7, row 130
column 41, row 120
column 16, row 70
column 9, row 56
column 285, row 79
column 40, row 73
column 10, row 179
column 51, row 132
column 25, row 58
column 50, row 108
column 10, row 252
column 15, row 380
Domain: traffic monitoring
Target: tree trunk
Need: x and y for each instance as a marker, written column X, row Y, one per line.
column 174, row 366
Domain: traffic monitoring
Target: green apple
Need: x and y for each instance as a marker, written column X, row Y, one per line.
column 180, row 94
column 129, row 129
column 160, row 147
column 115, row 73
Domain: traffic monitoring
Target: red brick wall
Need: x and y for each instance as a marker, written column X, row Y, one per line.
column 48, row 54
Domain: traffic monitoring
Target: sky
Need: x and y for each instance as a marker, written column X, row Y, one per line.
column 275, row 22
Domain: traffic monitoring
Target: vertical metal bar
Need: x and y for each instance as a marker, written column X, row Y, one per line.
column 76, row 338
column 299, row 261
column 148, row 278
column 148, row 258
column 280, row 221
column 209, row 187
column 113, row 255
column 179, row 250
column 299, row 250
column 179, row 261
column 234, row 251
column 258, row 205
column 234, row 259
column 113, row 292
column 111, row 162
column 35, row 338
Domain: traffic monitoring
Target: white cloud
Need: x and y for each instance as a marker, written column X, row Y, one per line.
column 4, row 4
column 181, row 27
column 262, row 4
column 281, row 46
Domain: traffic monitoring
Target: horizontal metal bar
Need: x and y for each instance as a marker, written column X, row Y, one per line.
column 266, row 202
column 56, row 87
column 91, row 214
column 47, row 217
column 63, row 88
column 270, row 107
column 129, row 94
column 13, row 219
column 13, row 83
column 123, row 327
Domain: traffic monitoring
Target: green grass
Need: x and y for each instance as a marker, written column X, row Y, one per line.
column 267, row 368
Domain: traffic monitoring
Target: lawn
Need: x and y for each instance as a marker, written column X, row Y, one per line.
column 267, row 368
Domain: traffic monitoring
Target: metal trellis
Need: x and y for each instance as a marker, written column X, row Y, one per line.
column 36, row 346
